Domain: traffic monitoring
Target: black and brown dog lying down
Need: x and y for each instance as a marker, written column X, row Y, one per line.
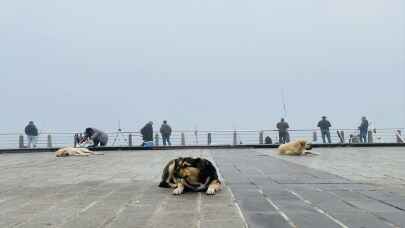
column 190, row 174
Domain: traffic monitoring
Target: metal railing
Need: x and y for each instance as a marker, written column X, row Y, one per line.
column 191, row 137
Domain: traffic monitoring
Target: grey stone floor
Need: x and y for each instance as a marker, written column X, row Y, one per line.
column 119, row 189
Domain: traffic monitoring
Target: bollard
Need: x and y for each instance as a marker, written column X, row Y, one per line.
column 21, row 141
column 370, row 137
column 156, row 139
column 235, row 138
column 130, row 140
column 209, row 138
column 315, row 136
column 183, row 139
column 49, row 141
column 261, row 135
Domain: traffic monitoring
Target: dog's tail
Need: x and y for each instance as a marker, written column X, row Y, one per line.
column 164, row 184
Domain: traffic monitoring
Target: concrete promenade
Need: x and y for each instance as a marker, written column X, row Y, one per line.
column 343, row 187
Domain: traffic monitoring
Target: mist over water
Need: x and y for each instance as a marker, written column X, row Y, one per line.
column 201, row 64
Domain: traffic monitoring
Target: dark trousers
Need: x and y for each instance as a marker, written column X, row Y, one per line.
column 363, row 137
column 166, row 140
column 326, row 134
column 283, row 137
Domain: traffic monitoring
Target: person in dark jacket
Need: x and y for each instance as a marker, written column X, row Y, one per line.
column 324, row 125
column 147, row 134
column 363, row 130
column 166, row 132
column 284, row 136
column 32, row 134
column 98, row 137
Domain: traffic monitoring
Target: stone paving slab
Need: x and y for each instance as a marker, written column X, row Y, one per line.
column 262, row 189
column 307, row 197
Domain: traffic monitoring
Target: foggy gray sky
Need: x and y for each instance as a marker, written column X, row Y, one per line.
column 214, row 64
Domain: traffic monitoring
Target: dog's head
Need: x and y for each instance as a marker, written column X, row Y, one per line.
column 194, row 168
column 308, row 146
column 187, row 167
column 62, row 153
column 304, row 144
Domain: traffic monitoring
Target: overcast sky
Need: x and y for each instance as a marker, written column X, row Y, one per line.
column 212, row 64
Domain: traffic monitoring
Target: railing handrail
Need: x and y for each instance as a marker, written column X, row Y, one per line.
column 204, row 131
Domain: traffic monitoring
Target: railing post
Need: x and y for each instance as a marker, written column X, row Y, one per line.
column 370, row 137
column 49, row 141
column 183, row 139
column 21, row 141
column 314, row 136
column 235, row 138
column 342, row 134
column 130, row 140
column 261, row 137
column 156, row 139
column 209, row 138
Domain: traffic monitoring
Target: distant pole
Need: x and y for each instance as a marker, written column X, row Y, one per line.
column 284, row 103
column 209, row 138
column 235, row 138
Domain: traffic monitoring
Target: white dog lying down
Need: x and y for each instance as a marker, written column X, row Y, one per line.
column 298, row 147
column 71, row 151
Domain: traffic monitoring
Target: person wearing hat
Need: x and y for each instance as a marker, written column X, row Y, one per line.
column 324, row 125
column 32, row 134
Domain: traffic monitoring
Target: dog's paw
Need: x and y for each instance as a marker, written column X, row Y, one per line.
column 177, row 191
column 211, row 191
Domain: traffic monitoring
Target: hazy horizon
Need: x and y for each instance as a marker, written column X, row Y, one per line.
column 201, row 64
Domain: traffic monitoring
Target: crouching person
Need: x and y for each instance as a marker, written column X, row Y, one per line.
column 98, row 137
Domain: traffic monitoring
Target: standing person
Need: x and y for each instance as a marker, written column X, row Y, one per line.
column 98, row 137
column 166, row 132
column 147, row 134
column 284, row 136
column 32, row 134
column 324, row 125
column 363, row 130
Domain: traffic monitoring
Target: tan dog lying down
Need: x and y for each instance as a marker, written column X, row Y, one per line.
column 298, row 147
column 71, row 151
